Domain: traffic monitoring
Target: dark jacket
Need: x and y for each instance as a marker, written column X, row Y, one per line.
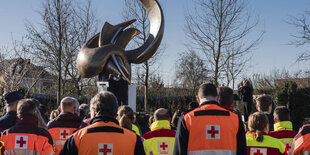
column 66, row 120
column 100, row 126
column 182, row 136
column 8, row 120
column 271, row 121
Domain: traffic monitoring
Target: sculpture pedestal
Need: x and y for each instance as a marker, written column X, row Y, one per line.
column 125, row 93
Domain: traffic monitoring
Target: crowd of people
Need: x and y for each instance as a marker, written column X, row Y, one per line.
column 212, row 125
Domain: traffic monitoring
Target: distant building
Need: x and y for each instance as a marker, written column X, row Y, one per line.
column 23, row 74
column 301, row 82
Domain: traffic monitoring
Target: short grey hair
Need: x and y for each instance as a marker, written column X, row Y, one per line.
column 104, row 104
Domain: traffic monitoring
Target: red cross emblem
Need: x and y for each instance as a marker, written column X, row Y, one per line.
column 213, row 132
column 258, row 151
column 163, row 148
column 288, row 148
column 105, row 149
column 64, row 133
column 21, row 142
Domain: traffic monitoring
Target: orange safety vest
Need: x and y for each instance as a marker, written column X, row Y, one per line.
column 105, row 137
column 212, row 130
column 62, row 127
column 160, row 140
column 26, row 138
column 60, row 136
column 302, row 140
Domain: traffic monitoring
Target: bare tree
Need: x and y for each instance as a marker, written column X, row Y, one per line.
column 17, row 72
column 302, row 37
column 272, row 80
column 65, row 27
column 214, row 26
column 235, row 66
column 191, row 71
column 135, row 10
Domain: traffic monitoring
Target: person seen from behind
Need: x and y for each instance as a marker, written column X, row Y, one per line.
column 301, row 141
column 65, row 123
column 210, row 128
column 25, row 137
column 160, row 140
column 283, row 128
column 126, row 110
column 10, row 99
column 257, row 140
column 103, row 135
column 264, row 105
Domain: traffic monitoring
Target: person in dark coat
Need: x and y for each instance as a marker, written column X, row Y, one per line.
column 245, row 90
column 11, row 99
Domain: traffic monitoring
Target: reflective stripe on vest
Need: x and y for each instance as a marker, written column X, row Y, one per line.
column 27, row 142
column 209, row 129
column 59, row 142
column 101, row 137
column 32, row 152
column 217, row 152
column 268, row 142
column 136, row 129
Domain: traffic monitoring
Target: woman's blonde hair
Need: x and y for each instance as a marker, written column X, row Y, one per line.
column 257, row 123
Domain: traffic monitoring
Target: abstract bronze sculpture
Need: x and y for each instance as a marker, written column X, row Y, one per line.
column 104, row 54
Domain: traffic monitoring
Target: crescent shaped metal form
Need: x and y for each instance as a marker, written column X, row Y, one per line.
column 105, row 52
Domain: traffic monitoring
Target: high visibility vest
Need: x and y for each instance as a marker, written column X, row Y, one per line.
column 105, row 138
column 212, row 130
column 2, row 149
column 136, row 129
column 60, row 136
column 284, row 132
column 269, row 146
column 302, row 140
column 27, row 143
column 160, row 140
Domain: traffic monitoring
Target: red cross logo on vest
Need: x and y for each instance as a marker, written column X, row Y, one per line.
column 21, row 142
column 105, row 149
column 288, row 147
column 213, row 132
column 64, row 133
column 258, row 151
column 163, row 148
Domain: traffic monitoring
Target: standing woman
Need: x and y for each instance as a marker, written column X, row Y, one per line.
column 258, row 142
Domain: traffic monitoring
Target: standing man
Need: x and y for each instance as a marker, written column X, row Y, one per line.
column 246, row 91
column 65, row 123
column 283, row 128
column 209, row 129
column 25, row 137
column 103, row 135
column 11, row 99
column 160, row 140
column 264, row 105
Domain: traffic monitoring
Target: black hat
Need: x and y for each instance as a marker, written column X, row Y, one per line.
column 13, row 96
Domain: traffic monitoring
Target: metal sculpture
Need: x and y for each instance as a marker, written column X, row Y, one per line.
column 105, row 52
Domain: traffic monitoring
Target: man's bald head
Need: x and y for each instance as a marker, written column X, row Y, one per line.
column 161, row 114
column 69, row 104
